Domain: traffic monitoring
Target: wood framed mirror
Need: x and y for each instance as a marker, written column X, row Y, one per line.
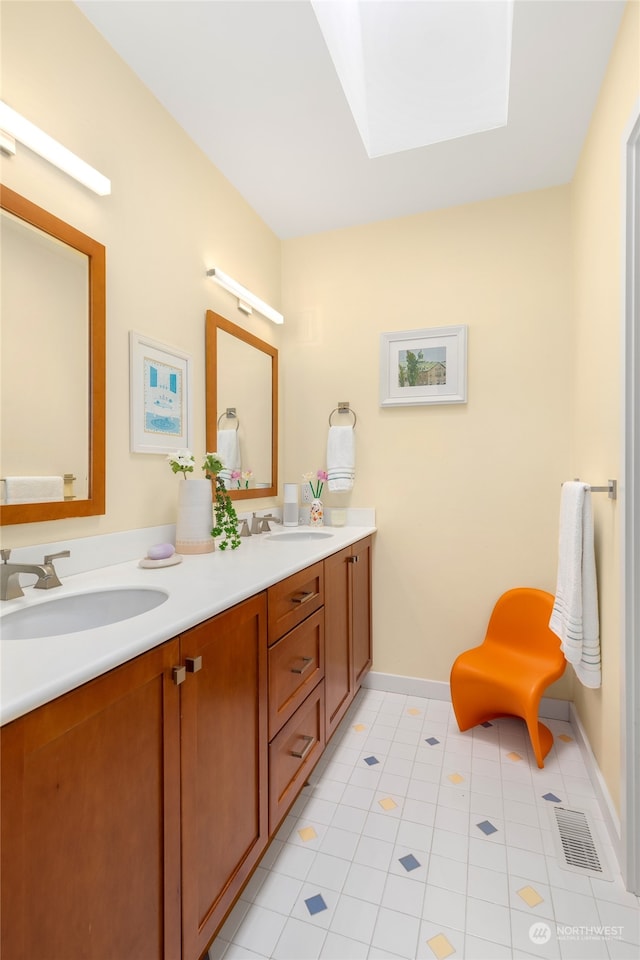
column 242, row 396
column 52, row 396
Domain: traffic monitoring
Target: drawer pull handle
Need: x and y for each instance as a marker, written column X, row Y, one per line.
column 309, row 742
column 179, row 675
column 307, row 661
column 304, row 597
column 193, row 664
column 355, row 559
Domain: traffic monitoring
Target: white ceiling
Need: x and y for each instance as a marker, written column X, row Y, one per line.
column 252, row 83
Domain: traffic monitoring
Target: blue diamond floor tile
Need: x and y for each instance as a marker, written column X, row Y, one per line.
column 551, row 797
column 432, row 741
column 409, row 862
column 316, row 904
column 371, row 760
column 487, row 827
column 487, row 723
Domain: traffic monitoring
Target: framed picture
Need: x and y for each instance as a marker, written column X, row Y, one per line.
column 423, row 366
column 160, row 396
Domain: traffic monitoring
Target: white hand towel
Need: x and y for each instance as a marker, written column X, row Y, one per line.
column 229, row 453
column 340, row 458
column 575, row 610
column 33, row 489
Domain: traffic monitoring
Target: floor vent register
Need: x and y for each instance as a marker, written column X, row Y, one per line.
column 577, row 845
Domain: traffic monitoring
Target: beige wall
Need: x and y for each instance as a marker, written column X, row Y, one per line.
column 170, row 216
column 596, row 209
column 466, row 495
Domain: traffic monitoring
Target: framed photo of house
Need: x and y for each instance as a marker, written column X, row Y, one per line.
column 161, row 403
column 423, row 366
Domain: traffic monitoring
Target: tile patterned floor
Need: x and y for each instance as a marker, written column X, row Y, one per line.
column 415, row 841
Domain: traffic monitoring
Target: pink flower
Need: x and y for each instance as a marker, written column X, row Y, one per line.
column 316, row 489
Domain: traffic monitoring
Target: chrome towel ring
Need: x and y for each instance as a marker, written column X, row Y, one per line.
column 343, row 408
column 229, row 414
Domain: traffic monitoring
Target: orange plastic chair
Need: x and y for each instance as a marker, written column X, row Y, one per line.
column 508, row 673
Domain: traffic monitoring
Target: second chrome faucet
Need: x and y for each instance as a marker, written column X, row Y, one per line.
column 10, row 574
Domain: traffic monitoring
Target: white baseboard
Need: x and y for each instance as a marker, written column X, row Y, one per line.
column 611, row 818
column 439, row 690
column 409, row 686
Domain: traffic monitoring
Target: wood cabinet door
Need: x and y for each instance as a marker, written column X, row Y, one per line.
column 90, row 819
column 224, row 765
column 360, row 589
column 347, row 632
column 338, row 681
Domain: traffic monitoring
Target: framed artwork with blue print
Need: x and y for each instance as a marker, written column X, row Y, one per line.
column 160, row 396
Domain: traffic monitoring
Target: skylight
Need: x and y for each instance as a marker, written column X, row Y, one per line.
column 417, row 72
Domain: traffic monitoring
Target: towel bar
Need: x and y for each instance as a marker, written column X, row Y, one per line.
column 611, row 488
column 67, row 480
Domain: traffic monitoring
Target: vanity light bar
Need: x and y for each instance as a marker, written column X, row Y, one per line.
column 245, row 297
column 17, row 126
column 7, row 144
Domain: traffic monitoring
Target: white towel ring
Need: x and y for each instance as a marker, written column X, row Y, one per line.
column 343, row 410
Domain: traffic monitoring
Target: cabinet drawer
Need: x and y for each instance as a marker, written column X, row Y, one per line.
column 292, row 600
column 293, row 753
column 296, row 664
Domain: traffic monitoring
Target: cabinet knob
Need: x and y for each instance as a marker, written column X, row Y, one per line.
column 179, row 675
column 193, row 664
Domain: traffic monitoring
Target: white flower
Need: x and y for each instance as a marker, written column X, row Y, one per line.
column 182, row 461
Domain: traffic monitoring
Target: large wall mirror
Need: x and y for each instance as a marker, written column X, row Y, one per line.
column 52, row 377
column 242, row 398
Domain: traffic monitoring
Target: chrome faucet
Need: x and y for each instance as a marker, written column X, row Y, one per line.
column 261, row 524
column 266, row 518
column 256, row 524
column 10, row 574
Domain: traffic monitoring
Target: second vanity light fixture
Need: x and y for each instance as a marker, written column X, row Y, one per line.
column 246, row 299
column 16, row 127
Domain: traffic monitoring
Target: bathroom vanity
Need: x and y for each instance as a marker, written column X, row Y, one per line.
column 136, row 803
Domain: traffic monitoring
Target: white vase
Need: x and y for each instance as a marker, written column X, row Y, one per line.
column 195, row 517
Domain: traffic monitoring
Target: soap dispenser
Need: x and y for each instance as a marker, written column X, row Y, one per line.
column 290, row 512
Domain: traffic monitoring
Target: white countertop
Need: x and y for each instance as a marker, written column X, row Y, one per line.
column 35, row 671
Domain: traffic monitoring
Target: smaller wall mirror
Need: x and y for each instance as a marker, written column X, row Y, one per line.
column 53, row 366
column 242, row 397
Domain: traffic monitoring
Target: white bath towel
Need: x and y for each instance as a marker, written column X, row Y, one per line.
column 33, row 489
column 229, row 452
column 340, row 458
column 575, row 610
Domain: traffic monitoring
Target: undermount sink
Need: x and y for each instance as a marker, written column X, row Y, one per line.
column 302, row 535
column 82, row 611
